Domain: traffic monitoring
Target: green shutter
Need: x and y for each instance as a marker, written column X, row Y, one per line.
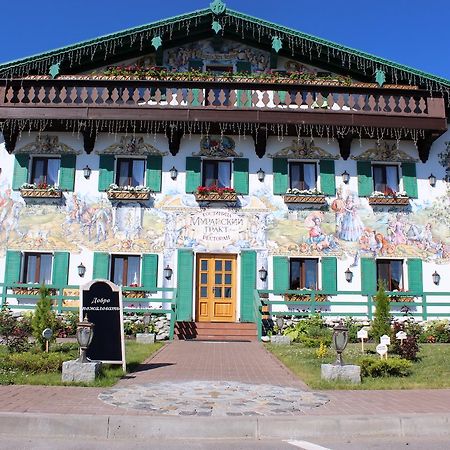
column 248, row 284
column 20, row 174
column 280, row 176
column 60, row 275
column 240, row 175
column 154, row 172
column 149, row 276
column 196, row 64
column 409, row 179
column 185, row 288
column 365, row 182
column 329, row 275
column 12, row 267
column 415, row 275
column 193, row 173
column 244, row 67
column 280, row 273
column 106, row 172
column 67, row 172
column 368, row 276
column 327, row 177
column 101, row 266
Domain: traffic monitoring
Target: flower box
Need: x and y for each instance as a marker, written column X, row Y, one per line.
column 128, row 195
column 400, row 299
column 308, row 199
column 216, row 197
column 133, row 294
column 396, row 201
column 40, row 193
column 305, row 297
column 30, row 291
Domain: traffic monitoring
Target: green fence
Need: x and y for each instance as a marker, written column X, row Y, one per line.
column 20, row 296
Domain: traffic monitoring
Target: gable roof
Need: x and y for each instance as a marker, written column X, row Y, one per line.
column 112, row 47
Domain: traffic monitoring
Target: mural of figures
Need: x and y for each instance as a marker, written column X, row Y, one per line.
column 351, row 226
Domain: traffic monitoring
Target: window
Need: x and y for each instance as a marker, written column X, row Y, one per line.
column 130, row 172
column 126, row 270
column 385, row 178
column 302, row 175
column 45, row 170
column 303, row 274
column 37, row 268
column 216, row 173
column 390, row 272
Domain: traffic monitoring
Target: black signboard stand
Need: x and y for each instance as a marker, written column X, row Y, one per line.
column 101, row 303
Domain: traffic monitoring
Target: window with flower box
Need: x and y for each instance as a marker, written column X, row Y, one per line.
column 45, row 171
column 303, row 273
column 37, row 268
column 130, row 172
column 385, row 178
column 302, row 175
column 390, row 273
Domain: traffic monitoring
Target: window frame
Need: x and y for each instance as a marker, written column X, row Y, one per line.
column 301, row 163
column 383, row 166
column 216, row 161
column 302, row 277
column 130, row 170
column 125, row 268
column 388, row 283
column 35, row 159
column 37, row 274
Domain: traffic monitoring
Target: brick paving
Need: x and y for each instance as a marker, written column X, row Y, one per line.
column 240, row 362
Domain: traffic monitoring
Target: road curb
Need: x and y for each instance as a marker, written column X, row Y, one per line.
column 175, row 427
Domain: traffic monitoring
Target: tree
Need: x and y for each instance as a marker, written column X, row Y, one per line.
column 43, row 317
column 382, row 321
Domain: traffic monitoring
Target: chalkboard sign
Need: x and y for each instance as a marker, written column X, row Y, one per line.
column 101, row 303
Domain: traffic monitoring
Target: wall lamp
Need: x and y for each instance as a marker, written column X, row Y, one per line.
column 81, row 270
column 173, row 173
column 262, row 274
column 436, row 278
column 261, row 174
column 345, row 177
column 168, row 272
column 87, row 172
column 348, row 275
column 432, row 180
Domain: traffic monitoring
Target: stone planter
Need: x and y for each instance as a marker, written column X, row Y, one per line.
column 128, row 195
column 305, row 199
column 41, row 193
column 216, row 197
column 389, row 201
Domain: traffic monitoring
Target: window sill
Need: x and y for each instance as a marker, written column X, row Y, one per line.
column 216, row 197
column 40, row 193
column 307, row 199
column 398, row 201
column 128, row 195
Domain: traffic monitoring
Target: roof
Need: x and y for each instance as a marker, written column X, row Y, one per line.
column 233, row 23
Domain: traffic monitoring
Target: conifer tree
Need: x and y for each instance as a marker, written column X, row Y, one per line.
column 382, row 321
column 43, row 317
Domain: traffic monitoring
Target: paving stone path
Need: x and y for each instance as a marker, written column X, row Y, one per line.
column 213, row 398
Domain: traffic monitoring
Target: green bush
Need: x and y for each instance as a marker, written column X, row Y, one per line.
column 382, row 321
column 409, row 348
column 33, row 362
column 43, row 317
column 310, row 331
column 436, row 331
column 391, row 367
column 11, row 333
column 353, row 328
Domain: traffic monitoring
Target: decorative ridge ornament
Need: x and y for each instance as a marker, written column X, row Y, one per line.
column 303, row 149
column 384, row 151
column 277, row 43
column 217, row 146
column 216, row 26
column 218, row 7
column 157, row 42
column 130, row 145
column 54, row 69
column 380, row 77
column 49, row 145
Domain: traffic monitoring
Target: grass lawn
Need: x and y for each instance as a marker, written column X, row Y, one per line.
column 431, row 371
column 134, row 353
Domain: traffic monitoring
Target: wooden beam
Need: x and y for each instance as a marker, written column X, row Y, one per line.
column 260, row 138
column 424, row 146
column 89, row 137
column 10, row 136
column 174, row 136
column 345, row 142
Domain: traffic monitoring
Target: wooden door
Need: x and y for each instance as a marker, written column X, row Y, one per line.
column 216, row 288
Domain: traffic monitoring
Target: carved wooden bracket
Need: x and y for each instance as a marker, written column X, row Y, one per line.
column 174, row 136
column 345, row 143
column 10, row 137
column 89, row 137
column 424, row 146
column 260, row 138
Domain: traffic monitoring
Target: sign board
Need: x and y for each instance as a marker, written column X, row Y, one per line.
column 362, row 334
column 401, row 335
column 382, row 349
column 101, row 303
column 385, row 339
column 47, row 334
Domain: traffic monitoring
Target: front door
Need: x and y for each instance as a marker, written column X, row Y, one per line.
column 216, row 288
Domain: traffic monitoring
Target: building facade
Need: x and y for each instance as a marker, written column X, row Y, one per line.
column 242, row 165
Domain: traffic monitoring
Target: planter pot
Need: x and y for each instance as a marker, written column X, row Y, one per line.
column 216, row 197
column 128, row 195
column 308, row 199
column 40, row 193
column 396, row 201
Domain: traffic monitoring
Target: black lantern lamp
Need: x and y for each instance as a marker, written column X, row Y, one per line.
column 87, row 172
column 345, row 177
column 173, row 173
column 168, row 272
column 146, row 320
column 85, row 333
column 348, row 275
column 261, row 174
column 262, row 274
column 340, row 341
column 432, row 180
column 436, row 278
column 81, row 270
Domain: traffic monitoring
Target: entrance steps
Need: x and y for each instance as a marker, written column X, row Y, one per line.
column 215, row 331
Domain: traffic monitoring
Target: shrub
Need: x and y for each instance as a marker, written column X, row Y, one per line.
column 310, row 331
column 409, row 348
column 353, row 328
column 382, row 321
column 33, row 362
column 437, row 331
column 392, row 367
column 43, row 317
column 11, row 333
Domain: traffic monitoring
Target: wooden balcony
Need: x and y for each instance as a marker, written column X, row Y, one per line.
column 243, row 100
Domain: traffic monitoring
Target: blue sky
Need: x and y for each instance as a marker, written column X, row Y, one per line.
column 410, row 32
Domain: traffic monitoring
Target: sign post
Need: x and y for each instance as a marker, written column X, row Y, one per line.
column 401, row 335
column 382, row 350
column 385, row 340
column 47, row 335
column 362, row 334
column 101, row 303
